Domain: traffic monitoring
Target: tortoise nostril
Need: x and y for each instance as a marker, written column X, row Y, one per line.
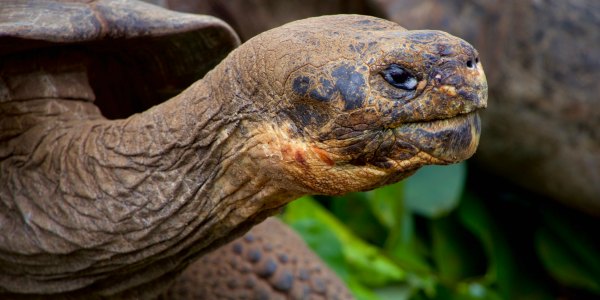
column 476, row 60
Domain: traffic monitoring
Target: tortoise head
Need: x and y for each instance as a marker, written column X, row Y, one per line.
column 358, row 102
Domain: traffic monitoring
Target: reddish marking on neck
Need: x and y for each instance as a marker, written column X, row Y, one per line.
column 323, row 156
column 299, row 157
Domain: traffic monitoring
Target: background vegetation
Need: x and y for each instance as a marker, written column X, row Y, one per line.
column 446, row 234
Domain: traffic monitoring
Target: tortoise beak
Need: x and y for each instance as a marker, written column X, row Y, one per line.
column 449, row 140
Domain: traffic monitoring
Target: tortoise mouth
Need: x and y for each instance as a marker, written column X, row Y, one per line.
column 413, row 144
column 449, row 139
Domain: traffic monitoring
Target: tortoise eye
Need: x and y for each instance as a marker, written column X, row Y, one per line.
column 399, row 77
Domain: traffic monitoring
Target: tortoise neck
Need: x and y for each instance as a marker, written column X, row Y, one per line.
column 154, row 190
column 209, row 135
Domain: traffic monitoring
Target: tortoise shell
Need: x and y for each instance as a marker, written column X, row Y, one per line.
column 136, row 54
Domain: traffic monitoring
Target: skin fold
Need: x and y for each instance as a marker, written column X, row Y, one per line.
column 116, row 208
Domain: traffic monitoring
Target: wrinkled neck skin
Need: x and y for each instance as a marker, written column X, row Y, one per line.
column 88, row 198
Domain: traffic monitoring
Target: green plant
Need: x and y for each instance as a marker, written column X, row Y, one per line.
column 434, row 237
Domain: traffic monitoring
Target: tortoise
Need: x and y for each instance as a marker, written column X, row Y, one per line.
column 543, row 132
column 104, row 197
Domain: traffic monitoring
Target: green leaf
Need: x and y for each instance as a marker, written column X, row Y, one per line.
column 402, row 244
column 470, row 290
column 474, row 217
column 456, row 252
column 564, row 265
column 476, row 290
column 569, row 249
column 354, row 210
column 513, row 275
column 314, row 234
column 366, row 262
column 405, row 247
column 434, row 191
column 387, row 204
column 360, row 291
column 395, row 292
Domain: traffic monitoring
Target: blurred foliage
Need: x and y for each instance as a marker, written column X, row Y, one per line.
column 442, row 235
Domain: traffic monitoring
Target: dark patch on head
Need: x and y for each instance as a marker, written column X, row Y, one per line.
column 347, row 80
column 304, row 86
column 351, row 85
column 301, row 85
column 358, row 48
column 305, row 115
column 324, row 91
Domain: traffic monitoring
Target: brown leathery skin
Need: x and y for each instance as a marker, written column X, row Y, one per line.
column 543, row 130
column 269, row 262
column 116, row 208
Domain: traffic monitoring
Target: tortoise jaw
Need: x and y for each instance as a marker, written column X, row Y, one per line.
column 448, row 140
column 385, row 156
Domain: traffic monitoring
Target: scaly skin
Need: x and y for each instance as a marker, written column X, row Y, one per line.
column 269, row 262
column 115, row 208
